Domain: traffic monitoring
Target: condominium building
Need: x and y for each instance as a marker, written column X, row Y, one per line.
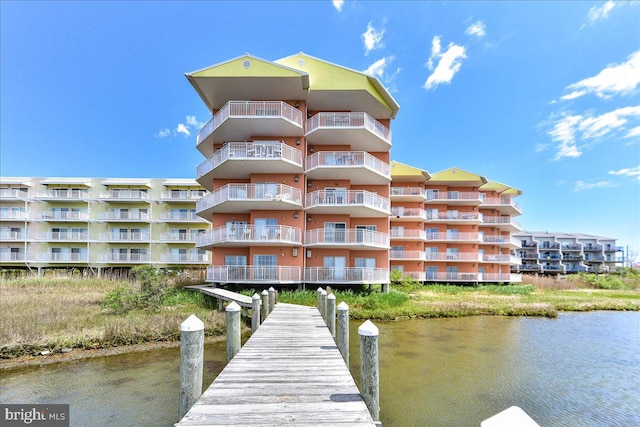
column 452, row 226
column 94, row 223
column 559, row 253
column 297, row 163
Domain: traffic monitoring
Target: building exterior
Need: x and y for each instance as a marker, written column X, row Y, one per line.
column 93, row 223
column 452, row 226
column 560, row 253
column 297, row 163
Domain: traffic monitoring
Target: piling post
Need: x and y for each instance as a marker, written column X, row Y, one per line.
column 233, row 330
column 220, row 305
column 255, row 312
column 331, row 314
column 369, row 369
column 272, row 298
column 191, row 362
column 264, row 309
column 319, row 291
column 343, row 331
column 323, row 305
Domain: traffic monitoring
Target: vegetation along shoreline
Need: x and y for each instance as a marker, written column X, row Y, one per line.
column 48, row 320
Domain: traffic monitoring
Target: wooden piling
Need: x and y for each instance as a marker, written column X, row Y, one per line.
column 369, row 368
column 319, row 304
column 323, row 305
column 331, row 314
column 272, row 298
column 233, row 330
column 255, row 312
column 264, row 310
column 191, row 362
column 343, row 331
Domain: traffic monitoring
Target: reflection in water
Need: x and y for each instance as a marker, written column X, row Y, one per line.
column 578, row 369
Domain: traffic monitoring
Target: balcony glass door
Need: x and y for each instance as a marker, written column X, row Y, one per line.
column 360, row 232
column 265, row 228
column 336, row 195
column 266, row 190
column 236, row 267
column 335, row 267
column 236, row 231
column 432, row 273
column 265, row 267
column 335, row 232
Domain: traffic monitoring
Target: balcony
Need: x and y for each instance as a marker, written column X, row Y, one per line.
column 453, row 198
column 63, row 194
column 502, row 223
column 125, row 196
column 124, row 237
column 553, row 268
column 550, row 257
column 593, row 248
column 13, row 194
column 361, row 131
column 594, row 258
column 403, row 214
column 408, row 234
column 62, row 257
column 177, row 237
column 12, row 256
column 356, row 203
column 502, row 259
column 180, row 217
column 253, row 274
column 238, row 160
column 530, row 267
column 529, row 255
column 250, row 235
column 120, row 216
column 182, row 195
column 346, row 275
column 13, row 215
column 571, row 247
column 505, row 205
column 500, row 277
column 453, row 237
column 59, row 236
column 407, row 255
column 416, row 275
column 354, row 239
column 189, row 258
column 9, row 236
column 408, row 194
column 453, row 256
column 359, row 167
column 454, row 217
column 451, row 277
column 64, row 216
column 241, row 120
column 239, row 198
column 124, row 258
column 502, row 241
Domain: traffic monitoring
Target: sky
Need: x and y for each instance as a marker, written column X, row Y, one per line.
column 542, row 96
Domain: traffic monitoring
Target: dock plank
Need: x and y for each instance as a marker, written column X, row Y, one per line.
column 290, row 372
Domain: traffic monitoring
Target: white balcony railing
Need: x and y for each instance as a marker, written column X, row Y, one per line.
column 250, row 193
column 13, row 215
column 501, row 258
column 12, row 256
column 500, row 240
column 12, row 235
column 180, row 216
column 71, row 215
column 454, row 237
column 407, row 255
column 178, row 237
column 417, row 275
column 501, row 201
column 347, row 159
column 125, row 237
column 409, row 234
column 452, row 256
column 120, row 215
column 250, row 109
column 451, row 277
column 13, row 193
column 349, row 120
column 182, row 194
column 63, row 194
column 501, row 220
column 125, row 194
column 63, row 235
column 347, row 198
column 350, row 237
column 409, row 213
column 62, row 256
column 124, row 257
column 346, row 275
column 184, row 258
column 454, row 216
column 250, row 234
column 407, row 191
column 258, row 274
column 453, row 196
column 250, row 150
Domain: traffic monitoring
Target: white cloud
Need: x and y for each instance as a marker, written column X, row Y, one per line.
column 449, row 63
column 573, row 132
column 372, row 39
column 194, row 122
column 633, row 132
column 378, row 69
column 630, row 172
column 596, row 13
column 162, row 133
column 183, row 129
column 477, row 29
column 338, row 4
column 616, row 79
column 581, row 185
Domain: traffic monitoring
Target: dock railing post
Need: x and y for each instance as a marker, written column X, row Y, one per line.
column 264, row 312
column 233, row 330
column 369, row 369
column 343, row 331
column 331, row 314
column 272, row 299
column 191, row 362
column 323, row 305
column 319, row 299
column 255, row 312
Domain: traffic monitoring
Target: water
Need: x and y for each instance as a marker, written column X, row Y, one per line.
column 580, row 369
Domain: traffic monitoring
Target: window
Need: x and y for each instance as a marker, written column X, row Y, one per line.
column 397, row 251
column 335, row 232
column 360, row 233
column 432, row 233
column 366, row 262
column 432, row 213
column 265, row 228
column 432, row 273
column 453, row 253
column 397, row 231
column 335, row 267
column 265, row 267
column 452, row 273
column 336, row 195
column 266, row 190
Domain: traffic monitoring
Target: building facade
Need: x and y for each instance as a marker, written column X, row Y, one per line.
column 297, row 163
column 560, row 253
column 452, row 226
column 94, row 223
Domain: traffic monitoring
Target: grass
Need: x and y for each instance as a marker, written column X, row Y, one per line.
column 51, row 314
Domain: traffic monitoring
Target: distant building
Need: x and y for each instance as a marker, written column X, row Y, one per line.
column 559, row 253
column 99, row 223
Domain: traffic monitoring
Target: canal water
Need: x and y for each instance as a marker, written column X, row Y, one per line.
column 581, row 369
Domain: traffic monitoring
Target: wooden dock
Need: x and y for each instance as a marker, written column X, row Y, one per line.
column 224, row 295
column 289, row 372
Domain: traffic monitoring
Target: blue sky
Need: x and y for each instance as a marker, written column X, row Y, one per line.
column 543, row 96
